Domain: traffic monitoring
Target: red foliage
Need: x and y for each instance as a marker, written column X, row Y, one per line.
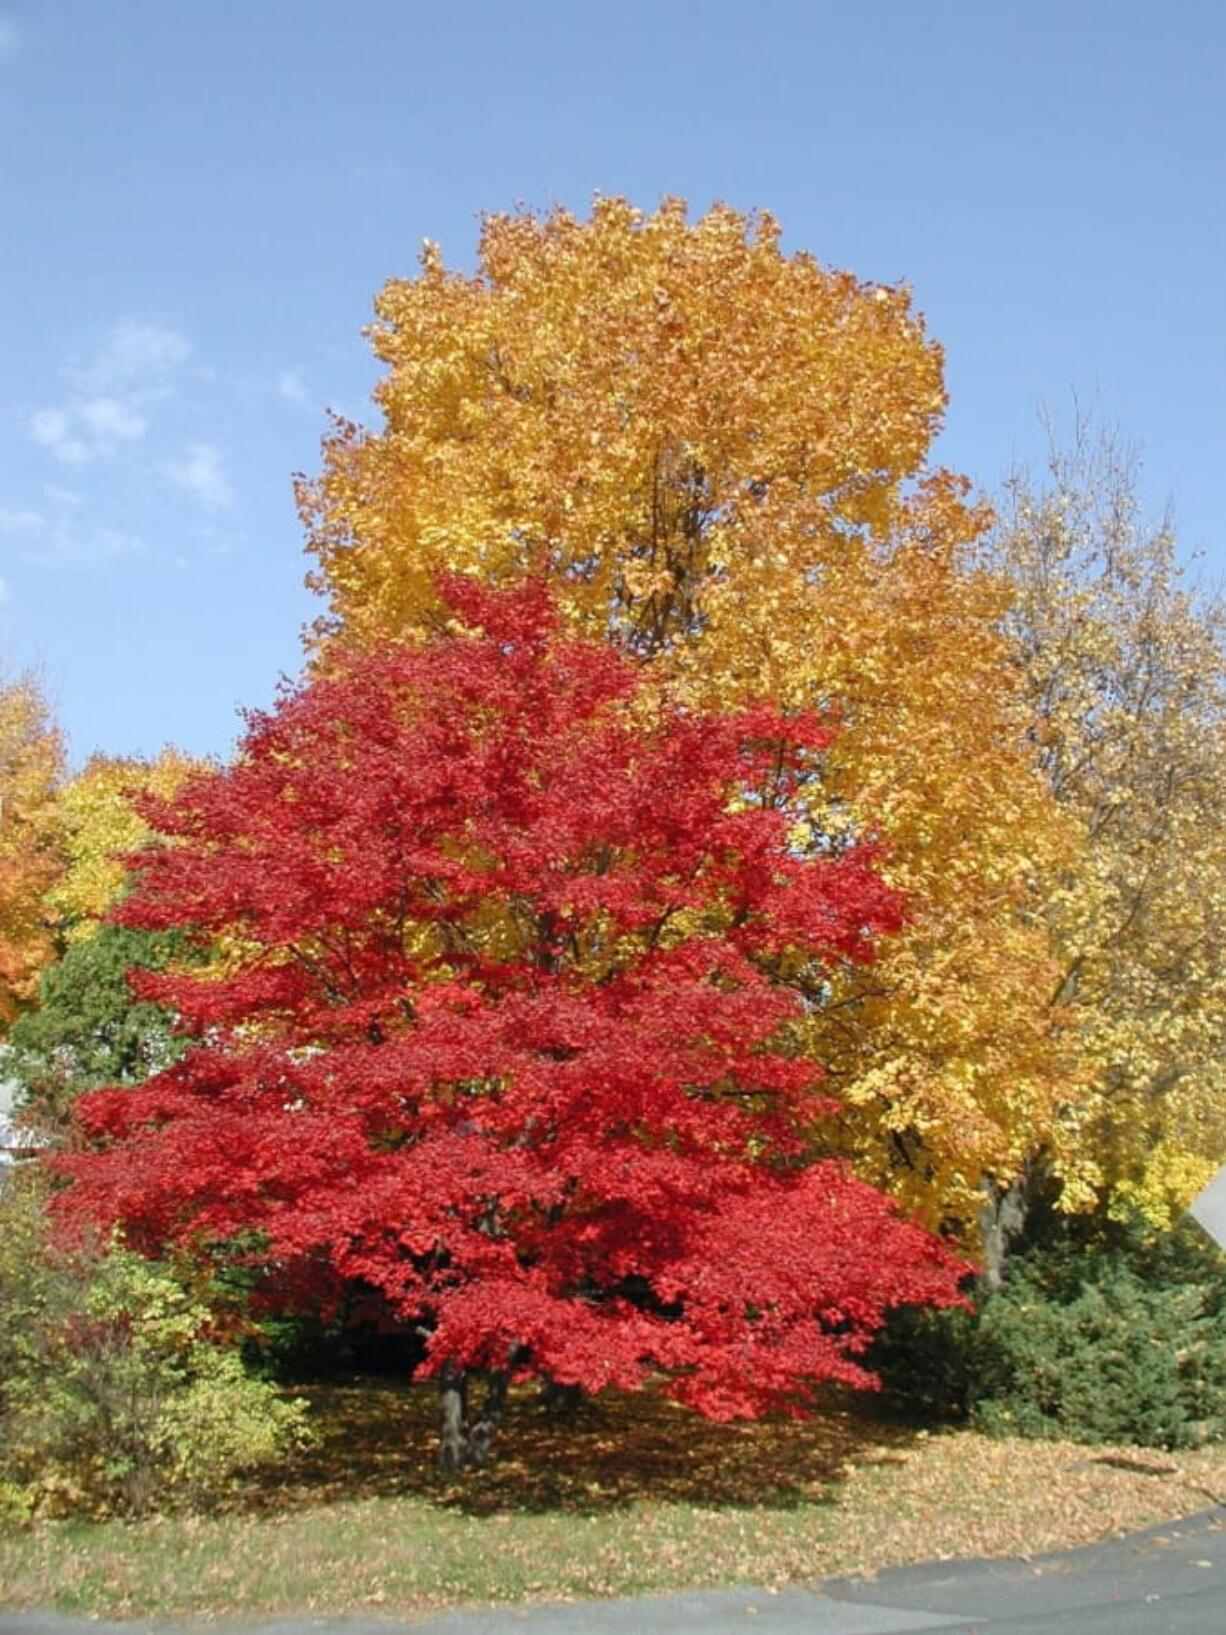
column 506, row 1034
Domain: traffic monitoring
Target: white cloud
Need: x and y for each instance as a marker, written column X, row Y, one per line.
column 131, row 370
column 113, row 420
column 88, row 429
column 10, row 39
column 4, row 592
column 49, row 426
column 21, row 522
column 63, row 531
column 202, row 474
column 53, row 429
column 293, row 387
column 112, row 416
column 93, row 542
column 135, row 356
column 105, row 542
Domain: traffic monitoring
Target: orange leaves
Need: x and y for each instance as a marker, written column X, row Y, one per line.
column 31, row 758
column 630, row 390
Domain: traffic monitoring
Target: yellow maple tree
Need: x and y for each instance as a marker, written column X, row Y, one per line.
column 31, row 762
column 717, row 451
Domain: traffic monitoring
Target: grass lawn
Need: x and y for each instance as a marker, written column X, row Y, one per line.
column 635, row 1495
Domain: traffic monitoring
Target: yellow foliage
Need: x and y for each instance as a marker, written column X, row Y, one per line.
column 31, row 760
column 717, row 451
column 1169, row 1179
column 636, row 402
column 1127, row 672
column 100, row 824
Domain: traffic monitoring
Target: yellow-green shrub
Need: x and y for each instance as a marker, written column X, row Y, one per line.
column 113, row 1397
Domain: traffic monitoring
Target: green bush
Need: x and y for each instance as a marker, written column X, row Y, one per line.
column 923, row 1358
column 113, row 1398
column 1115, row 1339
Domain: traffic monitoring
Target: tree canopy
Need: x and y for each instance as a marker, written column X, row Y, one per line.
column 511, row 1032
column 717, row 454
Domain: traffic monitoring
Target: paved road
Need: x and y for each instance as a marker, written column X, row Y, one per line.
column 1166, row 1581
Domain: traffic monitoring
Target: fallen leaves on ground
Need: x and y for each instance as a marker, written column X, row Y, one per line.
column 632, row 1496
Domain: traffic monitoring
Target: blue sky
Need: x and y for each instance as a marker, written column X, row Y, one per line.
column 198, row 199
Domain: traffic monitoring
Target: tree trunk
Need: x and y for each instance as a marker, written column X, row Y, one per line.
column 453, row 1417
column 1001, row 1217
column 461, row 1445
column 482, row 1434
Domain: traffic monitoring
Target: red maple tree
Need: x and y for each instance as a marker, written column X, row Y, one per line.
column 505, row 1034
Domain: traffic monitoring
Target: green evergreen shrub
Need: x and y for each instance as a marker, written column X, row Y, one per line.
column 1115, row 1337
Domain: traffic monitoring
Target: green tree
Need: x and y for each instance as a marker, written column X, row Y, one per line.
column 90, row 1028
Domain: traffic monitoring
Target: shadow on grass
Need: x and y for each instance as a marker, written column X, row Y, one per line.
column 376, row 1440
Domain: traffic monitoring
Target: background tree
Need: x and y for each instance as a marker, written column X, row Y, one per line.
column 1126, row 670
column 88, row 1028
column 717, row 452
column 100, row 822
column 31, row 762
column 510, row 1036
